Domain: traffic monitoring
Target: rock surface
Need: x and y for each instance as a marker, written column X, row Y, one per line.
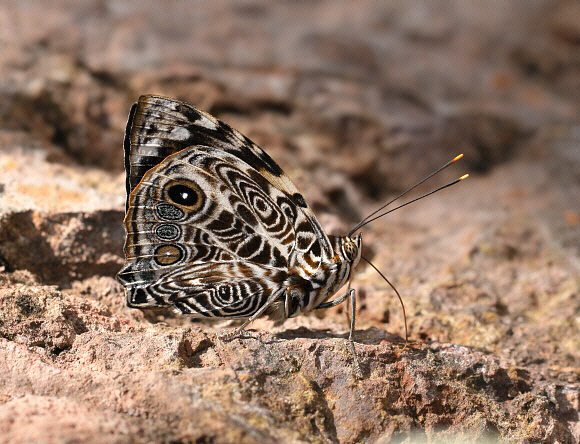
column 356, row 102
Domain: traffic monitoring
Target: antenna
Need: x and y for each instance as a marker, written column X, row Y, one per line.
column 368, row 219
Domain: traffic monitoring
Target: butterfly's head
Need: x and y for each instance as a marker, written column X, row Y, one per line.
column 351, row 249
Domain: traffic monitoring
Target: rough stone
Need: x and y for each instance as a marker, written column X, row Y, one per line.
column 356, row 104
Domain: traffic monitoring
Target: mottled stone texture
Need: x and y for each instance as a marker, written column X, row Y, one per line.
column 356, row 101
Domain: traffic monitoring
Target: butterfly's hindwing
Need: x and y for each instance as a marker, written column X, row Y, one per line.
column 230, row 289
column 212, row 213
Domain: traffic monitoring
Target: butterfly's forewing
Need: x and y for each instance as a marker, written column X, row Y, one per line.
column 149, row 138
column 214, row 226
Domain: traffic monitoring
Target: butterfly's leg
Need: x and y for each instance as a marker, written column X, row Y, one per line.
column 357, row 369
column 240, row 329
column 352, row 294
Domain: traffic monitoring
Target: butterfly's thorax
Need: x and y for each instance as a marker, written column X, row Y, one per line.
column 333, row 273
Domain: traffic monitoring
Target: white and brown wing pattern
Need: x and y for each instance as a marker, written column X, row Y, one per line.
column 214, row 227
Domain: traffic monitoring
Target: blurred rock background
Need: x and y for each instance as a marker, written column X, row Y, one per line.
column 356, row 102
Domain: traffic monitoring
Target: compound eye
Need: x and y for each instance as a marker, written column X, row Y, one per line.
column 350, row 251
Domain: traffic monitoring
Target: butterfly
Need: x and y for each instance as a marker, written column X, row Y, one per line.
column 215, row 228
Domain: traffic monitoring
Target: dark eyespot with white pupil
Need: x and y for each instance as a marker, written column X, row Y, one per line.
column 183, row 195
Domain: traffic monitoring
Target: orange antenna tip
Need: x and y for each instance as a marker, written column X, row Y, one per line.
column 456, row 158
column 465, row 176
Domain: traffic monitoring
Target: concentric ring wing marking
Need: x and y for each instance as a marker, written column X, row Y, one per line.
column 232, row 213
column 218, row 289
column 165, row 126
column 201, row 198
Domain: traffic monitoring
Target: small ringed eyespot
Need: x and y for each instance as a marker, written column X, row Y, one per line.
column 167, row 254
column 169, row 212
column 167, row 232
